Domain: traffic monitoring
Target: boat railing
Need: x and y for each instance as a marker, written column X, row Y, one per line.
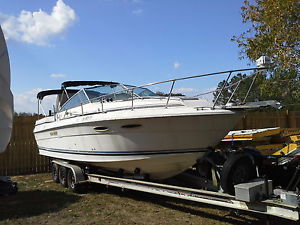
column 130, row 91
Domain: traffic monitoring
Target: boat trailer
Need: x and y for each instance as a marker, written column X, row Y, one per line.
column 256, row 196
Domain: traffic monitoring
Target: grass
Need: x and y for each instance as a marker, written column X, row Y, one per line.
column 41, row 201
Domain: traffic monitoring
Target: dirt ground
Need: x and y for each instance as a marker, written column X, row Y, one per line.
column 41, row 201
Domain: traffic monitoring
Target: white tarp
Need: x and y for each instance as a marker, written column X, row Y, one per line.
column 6, row 98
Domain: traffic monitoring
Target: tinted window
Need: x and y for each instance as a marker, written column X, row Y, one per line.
column 75, row 100
column 142, row 91
column 115, row 92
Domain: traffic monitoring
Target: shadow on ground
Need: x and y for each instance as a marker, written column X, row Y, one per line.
column 202, row 210
column 33, row 203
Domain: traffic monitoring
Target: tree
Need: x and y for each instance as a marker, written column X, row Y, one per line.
column 272, row 87
column 274, row 32
column 241, row 91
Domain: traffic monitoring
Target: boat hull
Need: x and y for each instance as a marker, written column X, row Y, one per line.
column 160, row 147
column 6, row 97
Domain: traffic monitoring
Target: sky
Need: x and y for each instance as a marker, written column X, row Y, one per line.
column 128, row 41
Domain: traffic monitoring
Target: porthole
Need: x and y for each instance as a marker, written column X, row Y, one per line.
column 101, row 129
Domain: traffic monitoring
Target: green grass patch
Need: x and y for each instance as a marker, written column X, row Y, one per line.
column 41, row 201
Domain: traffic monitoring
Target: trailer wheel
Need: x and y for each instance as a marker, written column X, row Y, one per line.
column 238, row 168
column 54, row 171
column 72, row 185
column 62, row 175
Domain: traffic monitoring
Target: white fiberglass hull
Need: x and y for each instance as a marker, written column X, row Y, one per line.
column 6, row 98
column 160, row 146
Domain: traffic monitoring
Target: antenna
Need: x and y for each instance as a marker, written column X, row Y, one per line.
column 263, row 61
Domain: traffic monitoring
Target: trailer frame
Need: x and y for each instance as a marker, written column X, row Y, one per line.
column 271, row 207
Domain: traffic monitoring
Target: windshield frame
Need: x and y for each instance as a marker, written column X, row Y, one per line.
column 72, row 97
column 128, row 89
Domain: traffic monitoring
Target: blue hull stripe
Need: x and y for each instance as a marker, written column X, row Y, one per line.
column 122, row 153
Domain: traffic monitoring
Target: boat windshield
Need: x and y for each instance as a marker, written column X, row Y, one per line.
column 116, row 92
column 107, row 92
column 76, row 100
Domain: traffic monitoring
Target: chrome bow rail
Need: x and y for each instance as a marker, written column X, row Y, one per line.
column 130, row 91
column 173, row 81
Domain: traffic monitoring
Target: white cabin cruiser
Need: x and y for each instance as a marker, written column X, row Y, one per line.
column 129, row 129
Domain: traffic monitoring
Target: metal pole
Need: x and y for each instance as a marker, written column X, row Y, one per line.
column 38, row 109
column 43, row 110
column 170, row 93
column 102, row 104
column 201, row 75
column 54, row 112
column 86, row 95
column 66, row 92
column 132, row 99
column 222, row 90
column 234, row 92
column 250, row 87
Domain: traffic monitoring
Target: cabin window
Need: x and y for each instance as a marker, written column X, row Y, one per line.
column 114, row 92
column 141, row 91
column 76, row 100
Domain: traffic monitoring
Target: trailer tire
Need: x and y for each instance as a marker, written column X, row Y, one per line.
column 62, row 175
column 238, row 168
column 72, row 185
column 54, row 172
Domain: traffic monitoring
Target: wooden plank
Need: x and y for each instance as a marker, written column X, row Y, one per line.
column 29, row 148
column 18, row 140
column 21, row 144
column 26, row 164
column 20, row 157
column 8, row 152
column 6, row 159
column 257, row 120
column 32, row 150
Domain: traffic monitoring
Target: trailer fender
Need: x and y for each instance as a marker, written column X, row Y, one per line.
column 78, row 172
column 240, row 167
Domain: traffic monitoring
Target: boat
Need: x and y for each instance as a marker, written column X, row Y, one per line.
column 6, row 97
column 7, row 186
column 129, row 129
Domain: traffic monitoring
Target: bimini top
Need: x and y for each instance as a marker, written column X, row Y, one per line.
column 86, row 83
column 66, row 84
column 42, row 94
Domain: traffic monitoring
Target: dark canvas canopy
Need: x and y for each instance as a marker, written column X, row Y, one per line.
column 85, row 83
column 66, row 84
column 42, row 94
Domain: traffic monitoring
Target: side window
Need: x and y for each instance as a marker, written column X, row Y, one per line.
column 144, row 92
column 124, row 95
column 115, row 92
column 93, row 94
column 141, row 91
column 75, row 100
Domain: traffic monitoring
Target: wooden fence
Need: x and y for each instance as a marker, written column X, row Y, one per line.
column 21, row 156
column 283, row 119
